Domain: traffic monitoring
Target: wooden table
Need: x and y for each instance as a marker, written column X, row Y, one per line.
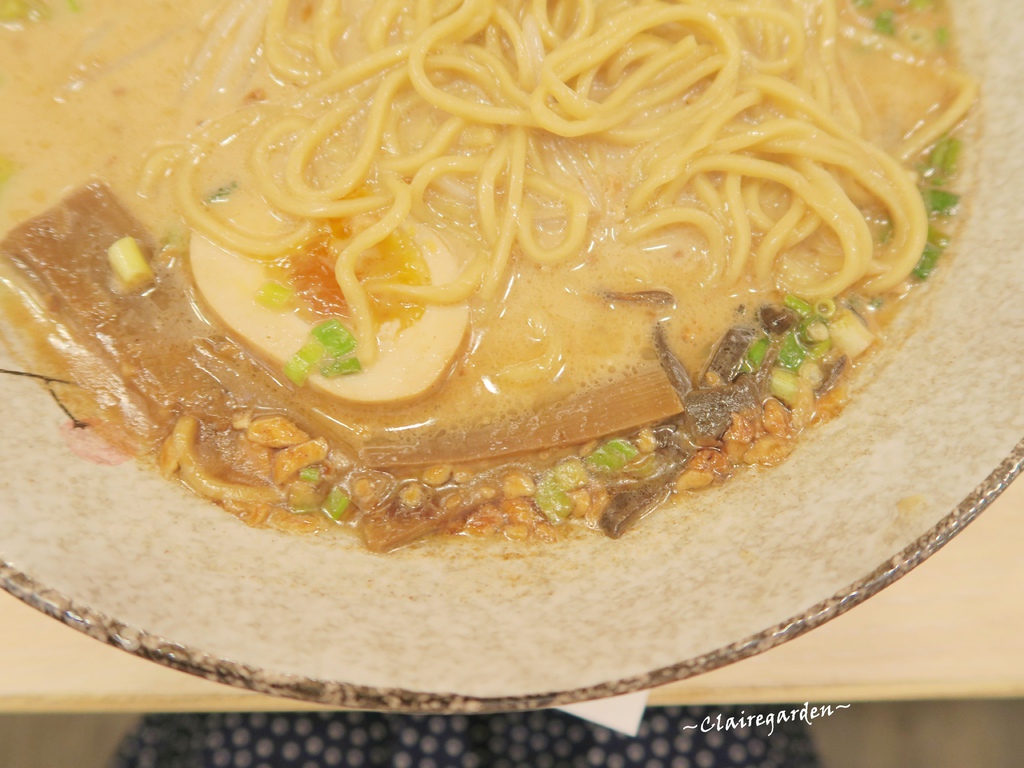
column 953, row 628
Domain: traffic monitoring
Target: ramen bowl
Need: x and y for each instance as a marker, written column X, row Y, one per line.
column 932, row 433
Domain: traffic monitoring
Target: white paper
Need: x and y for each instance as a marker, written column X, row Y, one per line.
column 620, row 713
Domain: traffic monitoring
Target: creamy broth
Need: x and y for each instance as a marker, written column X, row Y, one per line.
column 137, row 87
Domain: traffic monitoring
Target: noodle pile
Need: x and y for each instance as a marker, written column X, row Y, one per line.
column 535, row 129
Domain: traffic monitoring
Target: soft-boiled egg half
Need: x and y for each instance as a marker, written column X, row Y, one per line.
column 410, row 362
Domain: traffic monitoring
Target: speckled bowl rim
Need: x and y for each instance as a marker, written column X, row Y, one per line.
column 347, row 696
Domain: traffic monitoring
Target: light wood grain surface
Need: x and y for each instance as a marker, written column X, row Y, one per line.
column 953, row 628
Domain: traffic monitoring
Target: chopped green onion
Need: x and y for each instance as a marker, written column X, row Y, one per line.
column 928, row 262
column 612, row 456
column 826, row 308
column 939, row 202
column 335, row 337
column 328, row 347
column 885, row 23
column 851, row 335
column 863, row 3
column 310, row 475
column 785, row 385
column 312, row 352
column 798, row 305
column 336, row 504
column 222, row 194
column 570, row 474
column 792, row 352
column 819, row 350
column 298, row 368
column 758, row 351
column 943, row 158
column 333, row 367
column 552, row 500
column 942, row 35
column 274, row 295
column 128, row 263
column 933, row 249
column 812, row 330
column 920, row 5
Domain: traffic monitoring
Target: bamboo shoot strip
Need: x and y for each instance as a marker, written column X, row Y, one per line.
column 644, row 398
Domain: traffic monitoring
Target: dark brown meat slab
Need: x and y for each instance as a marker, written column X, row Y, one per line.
column 831, row 376
column 148, row 354
column 674, row 369
column 709, row 411
column 58, row 253
column 777, row 320
column 629, row 506
column 727, row 359
column 633, row 500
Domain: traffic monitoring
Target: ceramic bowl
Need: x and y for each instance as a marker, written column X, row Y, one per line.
column 931, row 436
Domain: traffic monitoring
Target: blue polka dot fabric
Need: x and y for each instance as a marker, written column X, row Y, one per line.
column 669, row 737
